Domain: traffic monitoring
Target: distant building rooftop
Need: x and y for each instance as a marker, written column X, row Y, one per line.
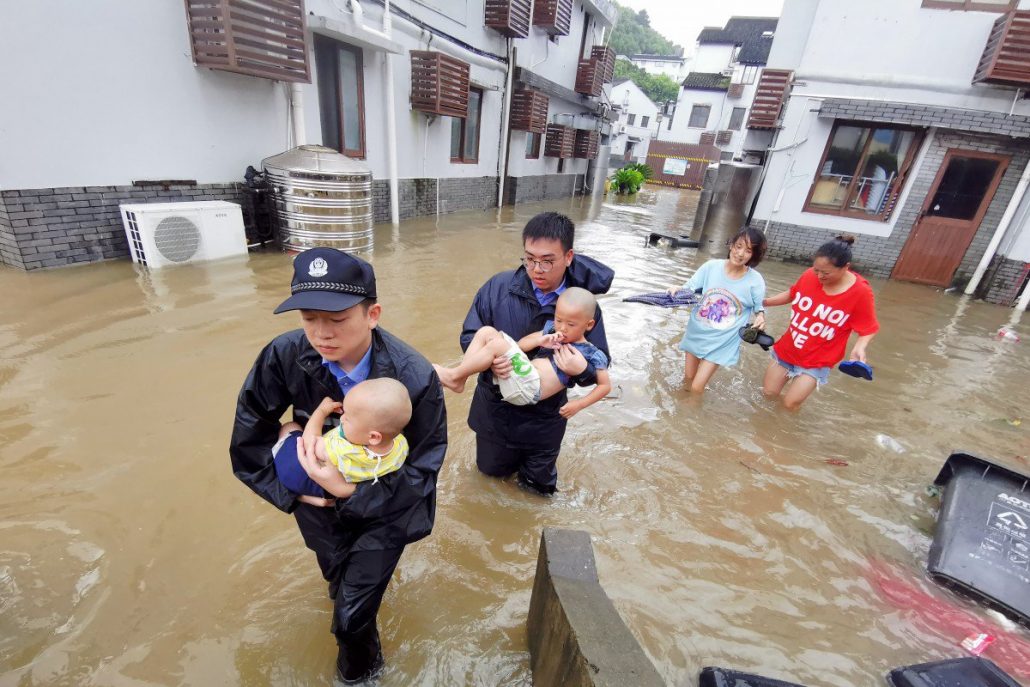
column 656, row 58
column 703, row 81
column 754, row 36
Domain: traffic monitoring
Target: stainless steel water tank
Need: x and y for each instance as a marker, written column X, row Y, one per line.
column 322, row 198
column 735, row 187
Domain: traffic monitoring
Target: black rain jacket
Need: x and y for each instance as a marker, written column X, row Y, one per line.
column 401, row 506
column 506, row 302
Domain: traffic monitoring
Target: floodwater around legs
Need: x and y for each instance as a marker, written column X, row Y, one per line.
column 727, row 530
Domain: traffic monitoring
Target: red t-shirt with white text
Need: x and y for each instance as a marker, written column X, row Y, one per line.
column 821, row 324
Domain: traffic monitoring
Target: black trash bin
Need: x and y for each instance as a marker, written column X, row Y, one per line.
column 956, row 672
column 982, row 540
column 719, row 677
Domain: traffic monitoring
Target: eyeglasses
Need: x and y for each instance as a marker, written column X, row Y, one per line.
column 542, row 265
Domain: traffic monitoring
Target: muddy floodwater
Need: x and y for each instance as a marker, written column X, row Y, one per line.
column 727, row 531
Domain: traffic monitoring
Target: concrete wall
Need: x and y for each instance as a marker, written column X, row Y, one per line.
column 576, row 637
column 712, row 57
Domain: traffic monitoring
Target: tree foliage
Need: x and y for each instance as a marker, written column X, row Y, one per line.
column 659, row 88
column 633, row 34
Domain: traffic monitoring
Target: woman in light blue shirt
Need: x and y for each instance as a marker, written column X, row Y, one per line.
column 731, row 290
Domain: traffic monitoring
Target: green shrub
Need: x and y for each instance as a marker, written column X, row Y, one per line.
column 642, row 168
column 627, row 181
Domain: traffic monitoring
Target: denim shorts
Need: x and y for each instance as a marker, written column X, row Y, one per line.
column 819, row 374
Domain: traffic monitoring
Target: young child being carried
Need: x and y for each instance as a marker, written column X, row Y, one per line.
column 367, row 445
column 533, row 380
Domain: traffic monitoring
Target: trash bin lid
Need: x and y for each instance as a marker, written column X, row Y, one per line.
column 968, row 671
column 959, row 460
column 720, row 677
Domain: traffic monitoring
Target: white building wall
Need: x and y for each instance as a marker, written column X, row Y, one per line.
column 109, row 102
column 922, row 56
column 631, row 100
column 712, row 57
column 681, row 132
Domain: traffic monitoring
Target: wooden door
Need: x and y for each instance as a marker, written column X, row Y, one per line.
column 954, row 208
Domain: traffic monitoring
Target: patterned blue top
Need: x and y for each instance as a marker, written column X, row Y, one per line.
column 726, row 305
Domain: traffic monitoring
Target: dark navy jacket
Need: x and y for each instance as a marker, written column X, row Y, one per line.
column 506, row 302
column 400, row 507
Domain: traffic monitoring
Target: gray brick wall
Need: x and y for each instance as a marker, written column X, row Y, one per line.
column 976, row 121
column 543, row 187
column 10, row 253
column 876, row 256
column 53, row 227
column 1004, row 281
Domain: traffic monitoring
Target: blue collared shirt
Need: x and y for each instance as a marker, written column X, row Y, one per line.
column 546, row 299
column 347, row 380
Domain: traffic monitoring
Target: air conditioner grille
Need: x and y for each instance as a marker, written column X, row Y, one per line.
column 177, row 238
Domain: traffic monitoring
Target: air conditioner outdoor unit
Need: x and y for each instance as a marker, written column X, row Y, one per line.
column 162, row 234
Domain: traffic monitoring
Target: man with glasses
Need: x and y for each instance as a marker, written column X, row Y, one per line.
column 526, row 439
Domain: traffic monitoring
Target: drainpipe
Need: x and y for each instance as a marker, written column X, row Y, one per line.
column 391, row 126
column 300, row 137
column 1024, row 300
column 391, row 115
column 502, row 155
column 999, row 233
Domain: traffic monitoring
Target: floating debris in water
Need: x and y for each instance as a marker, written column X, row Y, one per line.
column 836, row 461
column 1015, row 421
column 933, row 491
column 976, row 644
column 1006, row 334
column 889, row 443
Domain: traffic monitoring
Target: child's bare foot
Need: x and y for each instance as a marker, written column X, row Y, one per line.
column 449, row 379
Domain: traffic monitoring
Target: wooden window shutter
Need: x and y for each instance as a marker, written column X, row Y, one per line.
column 586, row 144
column 560, row 141
column 529, row 111
column 769, row 98
column 553, row 16
column 708, row 138
column 509, row 17
column 606, row 57
column 263, row 38
column 723, row 138
column 1006, row 58
column 439, row 84
column 736, row 90
column 590, row 78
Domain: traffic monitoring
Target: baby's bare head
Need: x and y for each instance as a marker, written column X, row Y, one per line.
column 382, row 404
column 578, row 300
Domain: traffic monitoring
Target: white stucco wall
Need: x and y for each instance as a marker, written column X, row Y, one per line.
column 93, row 101
column 681, row 132
column 109, row 101
column 712, row 57
column 631, row 100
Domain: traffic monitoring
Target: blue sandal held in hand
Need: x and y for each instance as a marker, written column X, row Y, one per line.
column 856, row 368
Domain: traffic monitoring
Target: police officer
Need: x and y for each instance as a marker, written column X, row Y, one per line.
column 358, row 540
column 526, row 439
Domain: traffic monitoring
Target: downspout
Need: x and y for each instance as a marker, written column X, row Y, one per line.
column 391, row 115
column 502, row 155
column 300, row 136
column 391, row 126
column 999, row 233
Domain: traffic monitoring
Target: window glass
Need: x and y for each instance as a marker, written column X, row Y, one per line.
column 839, row 167
column 455, row 138
column 631, row 119
column 699, row 116
column 883, row 160
column 350, row 90
column 532, row 145
column 737, row 118
column 471, row 151
column 644, row 120
column 863, row 170
column 963, row 187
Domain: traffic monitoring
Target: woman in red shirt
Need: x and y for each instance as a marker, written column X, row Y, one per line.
column 828, row 302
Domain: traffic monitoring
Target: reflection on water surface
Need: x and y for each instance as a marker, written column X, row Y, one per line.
column 727, row 531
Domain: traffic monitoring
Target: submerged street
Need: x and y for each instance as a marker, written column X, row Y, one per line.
column 727, row 530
